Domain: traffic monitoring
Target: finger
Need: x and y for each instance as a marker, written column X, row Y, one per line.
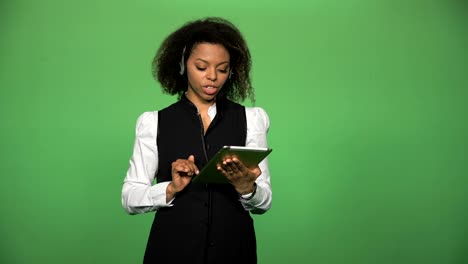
column 178, row 166
column 191, row 164
column 224, row 171
column 191, row 158
column 183, row 170
column 227, row 171
column 193, row 168
column 186, row 166
column 179, row 163
column 230, row 166
column 237, row 165
column 257, row 171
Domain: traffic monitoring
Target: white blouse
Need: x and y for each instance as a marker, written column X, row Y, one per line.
column 139, row 195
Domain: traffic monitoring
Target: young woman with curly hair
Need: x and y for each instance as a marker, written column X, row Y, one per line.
column 207, row 64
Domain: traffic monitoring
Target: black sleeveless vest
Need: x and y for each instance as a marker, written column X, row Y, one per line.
column 207, row 223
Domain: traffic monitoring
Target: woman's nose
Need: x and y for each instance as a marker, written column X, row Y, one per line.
column 211, row 74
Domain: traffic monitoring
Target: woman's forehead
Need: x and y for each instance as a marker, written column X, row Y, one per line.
column 209, row 52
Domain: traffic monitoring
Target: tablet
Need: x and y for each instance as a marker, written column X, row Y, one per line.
column 250, row 156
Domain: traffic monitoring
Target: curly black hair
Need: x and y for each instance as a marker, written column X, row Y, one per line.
column 215, row 30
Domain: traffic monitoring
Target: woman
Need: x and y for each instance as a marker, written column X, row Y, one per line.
column 207, row 64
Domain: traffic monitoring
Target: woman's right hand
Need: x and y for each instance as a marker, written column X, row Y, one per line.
column 182, row 172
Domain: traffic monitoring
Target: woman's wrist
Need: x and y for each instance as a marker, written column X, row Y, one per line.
column 249, row 194
column 170, row 192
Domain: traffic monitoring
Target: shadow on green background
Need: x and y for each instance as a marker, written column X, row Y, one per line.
column 367, row 101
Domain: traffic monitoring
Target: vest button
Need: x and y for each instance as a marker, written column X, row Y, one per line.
column 208, row 146
column 212, row 244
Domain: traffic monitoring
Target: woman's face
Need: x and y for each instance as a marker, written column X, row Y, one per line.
column 207, row 71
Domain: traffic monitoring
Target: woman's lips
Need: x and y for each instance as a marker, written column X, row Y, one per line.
column 210, row 90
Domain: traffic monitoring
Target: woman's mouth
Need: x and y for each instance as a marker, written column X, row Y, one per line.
column 210, row 90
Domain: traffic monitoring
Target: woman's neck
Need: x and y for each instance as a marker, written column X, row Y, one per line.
column 201, row 105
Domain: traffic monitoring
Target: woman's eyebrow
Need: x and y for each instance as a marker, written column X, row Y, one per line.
column 200, row 59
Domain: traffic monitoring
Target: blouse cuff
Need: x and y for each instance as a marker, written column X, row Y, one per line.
column 249, row 196
column 257, row 202
column 158, row 195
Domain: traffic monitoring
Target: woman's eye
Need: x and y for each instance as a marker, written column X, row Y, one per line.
column 201, row 68
column 223, row 71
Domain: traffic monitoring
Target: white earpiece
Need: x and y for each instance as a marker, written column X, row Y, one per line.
column 182, row 63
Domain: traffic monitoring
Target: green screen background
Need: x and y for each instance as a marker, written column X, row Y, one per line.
column 367, row 101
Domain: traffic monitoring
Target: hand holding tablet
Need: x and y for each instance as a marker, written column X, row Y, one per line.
column 249, row 156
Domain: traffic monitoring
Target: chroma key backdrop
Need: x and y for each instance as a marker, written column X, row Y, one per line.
column 368, row 108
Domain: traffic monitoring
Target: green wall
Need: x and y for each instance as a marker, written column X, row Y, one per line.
column 367, row 101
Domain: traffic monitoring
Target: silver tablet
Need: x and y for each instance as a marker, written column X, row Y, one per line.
column 250, row 156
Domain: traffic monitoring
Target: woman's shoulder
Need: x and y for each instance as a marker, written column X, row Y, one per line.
column 147, row 121
column 258, row 117
column 256, row 112
column 147, row 116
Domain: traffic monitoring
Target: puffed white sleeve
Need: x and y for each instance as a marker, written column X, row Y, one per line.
column 258, row 124
column 139, row 195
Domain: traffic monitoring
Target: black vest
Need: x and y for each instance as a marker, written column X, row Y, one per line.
column 207, row 223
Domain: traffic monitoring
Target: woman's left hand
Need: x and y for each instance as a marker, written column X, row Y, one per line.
column 241, row 177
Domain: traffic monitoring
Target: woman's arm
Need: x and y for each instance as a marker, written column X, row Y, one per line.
column 258, row 124
column 139, row 195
